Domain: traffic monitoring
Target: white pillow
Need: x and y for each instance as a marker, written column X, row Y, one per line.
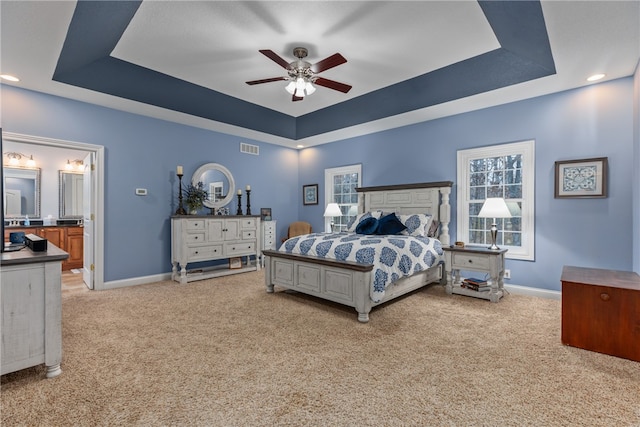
column 351, row 226
column 417, row 224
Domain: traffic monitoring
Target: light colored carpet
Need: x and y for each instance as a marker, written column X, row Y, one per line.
column 223, row 352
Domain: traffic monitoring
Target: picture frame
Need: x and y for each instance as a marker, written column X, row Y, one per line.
column 265, row 214
column 582, row 178
column 310, row 194
column 235, row 263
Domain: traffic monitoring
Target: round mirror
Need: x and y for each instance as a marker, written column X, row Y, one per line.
column 218, row 182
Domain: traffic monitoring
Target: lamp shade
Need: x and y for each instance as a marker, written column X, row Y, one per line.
column 332, row 210
column 494, row 207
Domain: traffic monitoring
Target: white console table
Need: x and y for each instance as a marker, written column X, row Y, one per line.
column 31, row 309
column 198, row 238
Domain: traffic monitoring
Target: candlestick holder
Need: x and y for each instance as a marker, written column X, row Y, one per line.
column 248, row 202
column 180, row 210
column 239, row 205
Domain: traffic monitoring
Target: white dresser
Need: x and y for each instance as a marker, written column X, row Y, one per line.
column 197, row 238
column 269, row 238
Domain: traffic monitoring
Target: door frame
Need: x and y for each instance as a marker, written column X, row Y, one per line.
column 97, row 195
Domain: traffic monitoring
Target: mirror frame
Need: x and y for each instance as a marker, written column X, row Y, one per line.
column 37, row 190
column 218, row 167
column 61, row 191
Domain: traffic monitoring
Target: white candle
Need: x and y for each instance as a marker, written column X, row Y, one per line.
column 248, row 187
column 179, row 170
column 239, row 192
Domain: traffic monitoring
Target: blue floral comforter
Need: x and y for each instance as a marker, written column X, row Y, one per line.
column 393, row 256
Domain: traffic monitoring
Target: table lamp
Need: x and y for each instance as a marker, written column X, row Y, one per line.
column 332, row 211
column 494, row 207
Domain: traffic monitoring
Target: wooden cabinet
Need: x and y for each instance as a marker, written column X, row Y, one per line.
column 205, row 238
column 68, row 238
column 74, row 246
column 601, row 311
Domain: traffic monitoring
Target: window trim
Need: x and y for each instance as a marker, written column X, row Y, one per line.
column 527, row 150
column 329, row 173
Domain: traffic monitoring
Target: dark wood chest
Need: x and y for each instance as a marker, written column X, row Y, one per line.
column 601, row 311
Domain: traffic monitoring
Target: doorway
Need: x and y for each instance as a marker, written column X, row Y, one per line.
column 94, row 256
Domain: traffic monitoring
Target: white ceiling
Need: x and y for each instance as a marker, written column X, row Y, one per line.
column 215, row 44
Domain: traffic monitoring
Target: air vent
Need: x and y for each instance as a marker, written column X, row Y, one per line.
column 249, row 149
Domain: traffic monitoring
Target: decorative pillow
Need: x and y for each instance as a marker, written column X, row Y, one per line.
column 390, row 224
column 417, row 224
column 433, row 230
column 367, row 226
column 351, row 225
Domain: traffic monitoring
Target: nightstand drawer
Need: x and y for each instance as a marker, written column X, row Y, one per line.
column 463, row 260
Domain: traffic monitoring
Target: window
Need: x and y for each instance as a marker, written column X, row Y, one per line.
column 340, row 187
column 508, row 171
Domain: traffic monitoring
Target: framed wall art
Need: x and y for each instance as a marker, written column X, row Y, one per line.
column 265, row 214
column 310, row 194
column 585, row 178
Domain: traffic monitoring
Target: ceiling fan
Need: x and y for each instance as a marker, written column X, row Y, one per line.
column 301, row 74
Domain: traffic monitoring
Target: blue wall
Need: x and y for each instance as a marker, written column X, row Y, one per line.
column 593, row 121
column 142, row 152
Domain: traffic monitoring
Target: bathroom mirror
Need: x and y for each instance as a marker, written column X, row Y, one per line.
column 21, row 192
column 71, row 191
column 218, row 182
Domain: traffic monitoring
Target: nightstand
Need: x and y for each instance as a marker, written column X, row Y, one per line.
column 475, row 258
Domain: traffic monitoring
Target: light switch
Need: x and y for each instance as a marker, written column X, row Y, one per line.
column 141, row 191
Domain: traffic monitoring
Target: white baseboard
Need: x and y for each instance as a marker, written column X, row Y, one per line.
column 136, row 281
column 533, row 292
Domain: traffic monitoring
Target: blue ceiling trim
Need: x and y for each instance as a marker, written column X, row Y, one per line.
column 97, row 26
column 85, row 61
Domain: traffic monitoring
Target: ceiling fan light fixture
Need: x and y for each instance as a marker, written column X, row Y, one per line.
column 291, row 87
column 309, row 88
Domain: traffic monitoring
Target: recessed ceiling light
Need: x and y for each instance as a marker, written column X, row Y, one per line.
column 595, row 77
column 9, row 77
column 299, row 146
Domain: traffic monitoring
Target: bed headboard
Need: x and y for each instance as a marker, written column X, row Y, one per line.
column 428, row 197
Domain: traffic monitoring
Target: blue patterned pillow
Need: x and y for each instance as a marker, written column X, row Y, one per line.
column 367, row 226
column 390, row 224
column 351, row 225
column 417, row 224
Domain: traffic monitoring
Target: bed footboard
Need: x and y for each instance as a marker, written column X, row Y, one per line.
column 346, row 283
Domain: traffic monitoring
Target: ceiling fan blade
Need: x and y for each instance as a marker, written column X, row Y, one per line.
column 275, row 58
column 332, row 84
column 272, row 79
column 330, row 62
column 296, row 98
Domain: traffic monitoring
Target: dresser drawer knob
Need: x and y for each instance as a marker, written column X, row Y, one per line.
column 470, row 261
column 604, row 297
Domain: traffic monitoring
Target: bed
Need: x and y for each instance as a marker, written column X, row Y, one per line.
column 348, row 282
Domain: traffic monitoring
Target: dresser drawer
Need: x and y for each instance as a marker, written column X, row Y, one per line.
column 247, row 223
column 204, row 252
column 248, row 234
column 192, row 238
column 269, row 243
column 232, row 249
column 194, row 225
column 464, row 260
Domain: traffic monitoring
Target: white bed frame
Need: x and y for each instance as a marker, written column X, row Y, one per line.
column 349, row 283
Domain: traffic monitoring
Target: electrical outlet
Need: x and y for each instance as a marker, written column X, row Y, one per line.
column 507, row 274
